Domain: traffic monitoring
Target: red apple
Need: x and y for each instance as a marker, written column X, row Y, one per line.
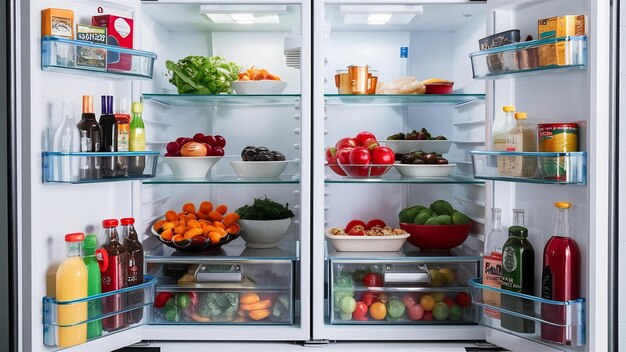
column 220, row 141
column 359, row 156
column 449, row 301
column 362, row 137
column 198, row 137
column 331, row 155
column 172, row 147
column 371, row 144
column 383, row 156
column 346, row 142
column 210, row 140
column 218, row 151
column 343, row 156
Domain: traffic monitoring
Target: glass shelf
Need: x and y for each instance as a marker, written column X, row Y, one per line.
column 396, row 178
column 552, row 323
column 531, row 57
column 222, row 99
column 76, row 167
column 224, row 180
column 399, row 99
column 408, row 253
column 132, row 304
column 60, row 54
column 531, row 167
column 235, row 251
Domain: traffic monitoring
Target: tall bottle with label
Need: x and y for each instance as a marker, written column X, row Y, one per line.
column 492, row 262
column 560, row 277
column 114, row 277
column 135, row 267
column 94, row 285
column 137, row 140
column 518, row 270
column 108, row 125
column 122, row 133
column 66, row 140
column 502, row 124
column 521, row 138
column 90, row 139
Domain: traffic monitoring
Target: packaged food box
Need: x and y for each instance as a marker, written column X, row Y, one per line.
column 57, row 22
column 119, row 33
column 87, row 56
column 561, row 26
column 500, row 62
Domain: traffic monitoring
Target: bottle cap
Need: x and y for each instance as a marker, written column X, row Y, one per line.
column 508, row 108
column 127, row 221
column 75, row 237
column 109, row 223
column 518, row 231
column 106, row 104
column 520, row 116
column 87, row 104
column 137, row 107
column 563, row 205
column 91, row 242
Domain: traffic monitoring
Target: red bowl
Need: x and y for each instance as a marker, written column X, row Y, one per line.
column 439, row 88
column 436, row 237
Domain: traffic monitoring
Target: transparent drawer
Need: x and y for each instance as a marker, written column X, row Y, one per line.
column 533, row 318
column 401, row 293
column 78, row 167
column 76, row 56
column 228, row 292
column 67, row 323
column 531, row 167
column 530, row 56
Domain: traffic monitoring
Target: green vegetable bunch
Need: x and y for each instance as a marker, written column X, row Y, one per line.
column 343, row 286
column 265, row 209
column 218, row 305
column 202, row 75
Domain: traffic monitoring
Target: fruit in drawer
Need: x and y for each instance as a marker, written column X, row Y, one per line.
column 448, row 301
column 448, row 275
column 436, row 278
column 438, row 296
column 395, row 308
column 259, row 314
column 441, row 311
column 427, row 302
column 369, row 298
column 463, row 299
column 455, row 312
column 378, row 311
column 372, row 280
column 409, row 299
column 347, row 305
column 360, row 311
column 415, row 312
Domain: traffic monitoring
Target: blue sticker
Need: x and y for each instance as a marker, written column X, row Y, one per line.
column 404, row 52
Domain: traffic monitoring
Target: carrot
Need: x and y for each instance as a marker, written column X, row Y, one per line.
column 167, row 235
column 219, row 225
column 215, row 216
column 230, row 219
column 206, row 207
column 179, row 230
column 192, row 233
column 215, row 237
column 191, row 216
column 170, row 215
column 259, row 314
column 222, row 209
column 249, row 298
column 178, row 238
column 264, row 304
column 233, row 229
column 189, row 208
column 157, row 225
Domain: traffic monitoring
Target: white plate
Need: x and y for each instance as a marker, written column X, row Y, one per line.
column 424, row 170
column 191, row 166
column 367, row 243
column 258, row 169
column 439, row 147
column 259, row 87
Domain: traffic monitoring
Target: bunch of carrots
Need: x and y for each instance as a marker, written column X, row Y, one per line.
column 207, row 222
column 253, row 74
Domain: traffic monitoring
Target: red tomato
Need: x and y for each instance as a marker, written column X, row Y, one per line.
column 343, row 156
column 383, row 156
column 375, row 222
column 354, row 223
column 428, row 316
column 346, row 142
column 360, row 312
column 161, row 298
column 371, row 144
column 372, row 280
column 357, row 230
column 364, row 136
column 449, row 301
column 409, row 299
column 369, row 298
column 463, row 299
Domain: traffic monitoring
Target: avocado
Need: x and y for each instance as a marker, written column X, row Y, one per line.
column 445, row 218
column 408, row 214
column 435, row 221
column 441, row 207
column 421, row 218
column 459, row 218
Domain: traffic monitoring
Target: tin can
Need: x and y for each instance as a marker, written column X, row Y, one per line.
column 556, row 137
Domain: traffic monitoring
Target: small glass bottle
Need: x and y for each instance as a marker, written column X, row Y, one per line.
column 135, row 267
column 122, row 133
column 66, row 140
column 137, row 140
column 492, row 261
column 90, row 139
column 502, row 124
column 114, row 277
column 518, row 217
column 521, row 138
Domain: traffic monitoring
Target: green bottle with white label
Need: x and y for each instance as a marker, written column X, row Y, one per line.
column 137, row 140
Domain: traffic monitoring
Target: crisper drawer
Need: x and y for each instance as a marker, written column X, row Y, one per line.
column 224, row 293
column 418, row 292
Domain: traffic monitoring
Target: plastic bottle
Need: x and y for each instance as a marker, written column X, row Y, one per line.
column 492, row 261
column 108, row 125
column 94, row 285
column 90, row 139
column 66, row 140
column 135, row 267
column 137, row 140
column 502, row 124
column 518, row 275
column 71, row 284
column 114, row 277
column 560, row 277
column 521, row 138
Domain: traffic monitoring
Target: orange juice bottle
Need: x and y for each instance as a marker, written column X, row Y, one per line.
column 71, row 284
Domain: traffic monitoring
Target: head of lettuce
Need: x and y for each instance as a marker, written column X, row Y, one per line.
column 202, row 75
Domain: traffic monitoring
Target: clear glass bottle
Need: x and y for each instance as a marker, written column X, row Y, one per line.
column 502, row 124
column 521, row 138
column 492, row 261
column 518, row 217
column 66, row 140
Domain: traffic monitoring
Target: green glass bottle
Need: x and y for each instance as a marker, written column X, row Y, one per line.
column 94, row 285
column 518, row 270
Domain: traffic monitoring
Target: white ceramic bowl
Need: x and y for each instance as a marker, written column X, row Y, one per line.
column 258, row 169
column 263, row 233
column 434, row 146
column 367, row 243
column 191, row 166
column 259, row 87
column 424, row 170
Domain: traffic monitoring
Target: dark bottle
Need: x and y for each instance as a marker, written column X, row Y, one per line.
column 108, row 125
column 114, row 277
column 90, row 139
column 135, row 268
column 122, row 131
column 560, row 279
column 518, row 268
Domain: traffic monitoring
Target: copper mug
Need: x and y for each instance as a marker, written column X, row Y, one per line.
column 372, row 81
column 342, row 82
column 359, row 78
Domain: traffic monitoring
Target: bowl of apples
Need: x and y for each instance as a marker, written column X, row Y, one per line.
column 359, row 157
column 194, row 157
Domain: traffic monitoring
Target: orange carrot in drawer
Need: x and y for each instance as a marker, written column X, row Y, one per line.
column 249, row 298
column 264, row 304
column 259, row 314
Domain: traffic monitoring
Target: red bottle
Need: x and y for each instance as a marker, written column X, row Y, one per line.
column 134, row 251
column 114, row 276
column 560, row 278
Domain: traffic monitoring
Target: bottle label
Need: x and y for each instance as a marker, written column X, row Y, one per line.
column 546, row 284
column 509, row 259
column 137, row 140
column 122, row 137
column 85, row 144
column 492, row 271
column 135, row 263
column 115, row 277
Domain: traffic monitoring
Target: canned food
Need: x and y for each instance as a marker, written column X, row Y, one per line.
column 557, row 137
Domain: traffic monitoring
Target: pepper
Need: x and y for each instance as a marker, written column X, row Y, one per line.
column 182, row 300
column 170, row 312
column 161, row 298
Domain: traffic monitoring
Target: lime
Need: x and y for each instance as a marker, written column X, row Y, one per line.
column 459, row 218
column 435, row 221
column 421, row 218
column 441, row 207
column 441, row 311
column 408, row 214
column 446, row 219
column 456, row 312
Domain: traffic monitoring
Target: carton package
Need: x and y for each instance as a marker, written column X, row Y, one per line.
column 87, row 56
column 559, row 53
column 57, row 22
column 119, row 33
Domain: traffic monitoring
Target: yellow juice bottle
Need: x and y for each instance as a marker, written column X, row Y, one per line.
column 71, row 284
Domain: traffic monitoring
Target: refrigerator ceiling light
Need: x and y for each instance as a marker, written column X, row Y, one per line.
column 243, row 18
column 375, row 9
column 378, row 19
column 263, row 14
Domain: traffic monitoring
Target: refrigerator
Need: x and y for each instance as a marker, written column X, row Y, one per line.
column 306, row 43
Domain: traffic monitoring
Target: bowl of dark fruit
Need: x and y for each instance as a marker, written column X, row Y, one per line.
column 259, row 162
column 421, row 164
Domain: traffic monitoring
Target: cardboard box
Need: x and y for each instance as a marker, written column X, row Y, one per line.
column 562, row 26
column 119, row 33
column 87, row 56
column 57, row 22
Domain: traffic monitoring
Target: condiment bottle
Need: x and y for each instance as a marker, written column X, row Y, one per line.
column 560, row 277
column 71, row 284
column 502, row 124
column 135, row 267
column 107, row 124
column 114, row 269
column 137, row 140
column 94, row 285
column 492, row 262
column 90, row 139
column 122, row 132
column 521, row 138
column 518, row 268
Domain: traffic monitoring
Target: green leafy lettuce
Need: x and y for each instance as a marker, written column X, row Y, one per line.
column 202, row 75
column 218, row 305
column 264, row 209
